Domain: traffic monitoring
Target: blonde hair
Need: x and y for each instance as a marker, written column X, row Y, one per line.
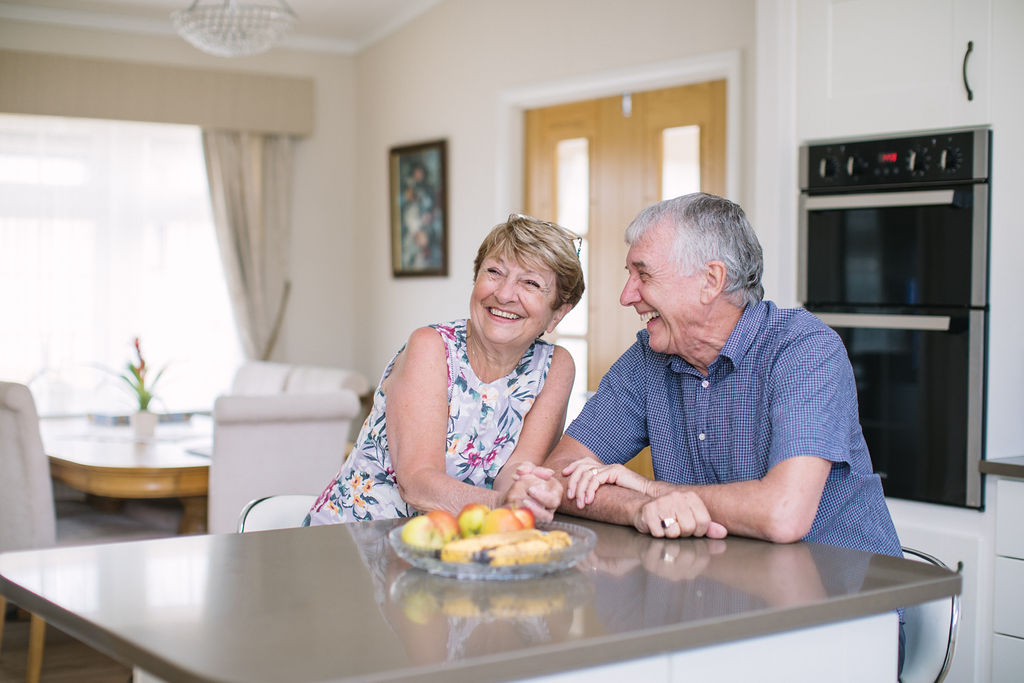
column 531, row 241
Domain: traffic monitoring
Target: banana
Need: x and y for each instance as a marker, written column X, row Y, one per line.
column 524, row 546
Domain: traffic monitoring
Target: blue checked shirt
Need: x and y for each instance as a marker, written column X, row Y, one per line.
column 782, row 386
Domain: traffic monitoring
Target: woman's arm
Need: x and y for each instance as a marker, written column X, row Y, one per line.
column 417, row 424
column 541, row 430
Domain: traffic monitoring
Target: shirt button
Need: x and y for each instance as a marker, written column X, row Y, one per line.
column 701, row 436
column 705, row 384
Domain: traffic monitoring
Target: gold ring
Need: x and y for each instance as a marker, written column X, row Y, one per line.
column 666, row 523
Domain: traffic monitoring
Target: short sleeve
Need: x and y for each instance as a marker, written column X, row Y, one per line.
column 812, row 388
column 613, row 421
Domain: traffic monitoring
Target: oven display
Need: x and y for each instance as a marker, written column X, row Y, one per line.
column 888, row 158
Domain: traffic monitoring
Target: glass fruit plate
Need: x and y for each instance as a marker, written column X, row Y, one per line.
column 583, row 541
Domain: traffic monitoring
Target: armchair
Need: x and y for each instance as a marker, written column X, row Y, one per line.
column 283, row 429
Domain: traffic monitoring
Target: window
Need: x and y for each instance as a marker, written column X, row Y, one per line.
column 106, row 234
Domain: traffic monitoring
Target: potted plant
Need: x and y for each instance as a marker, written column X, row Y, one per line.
column 136, row 377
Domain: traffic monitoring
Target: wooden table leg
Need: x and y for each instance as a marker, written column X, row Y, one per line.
column 193, row 517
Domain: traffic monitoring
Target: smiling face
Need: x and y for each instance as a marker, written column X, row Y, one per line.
column 514, row 303
column 669, row 303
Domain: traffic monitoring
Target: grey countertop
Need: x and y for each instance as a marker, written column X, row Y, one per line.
column 337, row 603
column 1006, row 467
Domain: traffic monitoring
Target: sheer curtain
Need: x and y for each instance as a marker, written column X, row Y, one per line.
column 250, row 178
column 106, row 234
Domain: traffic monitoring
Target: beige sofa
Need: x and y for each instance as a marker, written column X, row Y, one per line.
column 281, row 429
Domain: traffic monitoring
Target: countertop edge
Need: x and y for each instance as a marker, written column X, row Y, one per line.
column 1007, row 467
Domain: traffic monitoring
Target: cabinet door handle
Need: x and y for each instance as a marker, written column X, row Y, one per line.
column 967, row 87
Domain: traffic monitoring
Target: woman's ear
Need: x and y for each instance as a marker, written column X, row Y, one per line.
column 557, row 317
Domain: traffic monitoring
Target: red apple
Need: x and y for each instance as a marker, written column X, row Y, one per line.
column 445, row 524
column 498, row 520
column 525, row 517
column 471, row 518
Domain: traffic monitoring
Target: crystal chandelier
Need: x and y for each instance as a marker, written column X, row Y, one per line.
column 233, row 29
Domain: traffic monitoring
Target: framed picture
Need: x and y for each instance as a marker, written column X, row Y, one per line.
column 419, row 209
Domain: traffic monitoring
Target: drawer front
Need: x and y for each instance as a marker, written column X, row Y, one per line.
column 1008, row 617
column 1007, row 659
column 1009, row 513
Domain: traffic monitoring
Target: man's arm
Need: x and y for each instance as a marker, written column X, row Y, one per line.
column 780, row 507
column 621, row 497
column 614, row 504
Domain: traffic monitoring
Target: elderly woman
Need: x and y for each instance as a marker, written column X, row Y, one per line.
column 466, row 411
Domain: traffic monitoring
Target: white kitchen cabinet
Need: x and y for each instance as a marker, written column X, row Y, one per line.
column 1008, row 582
column 867, row 67
column 1009, row 513
column 1007, row 659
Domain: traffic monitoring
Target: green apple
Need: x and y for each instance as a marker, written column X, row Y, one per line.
column 471, row 518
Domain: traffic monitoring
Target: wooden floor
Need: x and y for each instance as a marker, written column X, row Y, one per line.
column 65, row 660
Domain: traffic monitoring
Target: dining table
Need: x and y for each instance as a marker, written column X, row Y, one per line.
column 336, row 603
column 110, row 463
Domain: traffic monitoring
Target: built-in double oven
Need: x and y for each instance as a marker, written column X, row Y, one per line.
column 894, row 257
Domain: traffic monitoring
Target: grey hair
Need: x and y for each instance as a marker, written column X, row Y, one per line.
column 709, row 228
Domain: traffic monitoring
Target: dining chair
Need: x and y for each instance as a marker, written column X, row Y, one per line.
column 275, row 512
column 931, row 630
column 26, row 506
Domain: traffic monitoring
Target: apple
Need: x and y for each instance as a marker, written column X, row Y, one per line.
column 445, row 524
column 421, row 532
column 499, row 520
column 471, row 518
column 525, row 517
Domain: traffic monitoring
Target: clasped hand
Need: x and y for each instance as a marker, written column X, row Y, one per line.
column 672, row 514
column 535, row 487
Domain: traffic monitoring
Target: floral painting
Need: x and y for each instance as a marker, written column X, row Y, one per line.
column 419, row 211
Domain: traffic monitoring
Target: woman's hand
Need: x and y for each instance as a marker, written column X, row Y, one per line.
column 535, row 487
column 677, row 514
column 586, row 475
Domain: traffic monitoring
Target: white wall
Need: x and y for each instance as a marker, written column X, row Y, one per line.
column 444, row 76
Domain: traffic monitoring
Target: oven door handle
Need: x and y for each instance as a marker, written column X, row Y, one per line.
column 880, row 200
column 932, row 323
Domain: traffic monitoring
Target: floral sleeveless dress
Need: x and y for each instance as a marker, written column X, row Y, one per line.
column 484, row 422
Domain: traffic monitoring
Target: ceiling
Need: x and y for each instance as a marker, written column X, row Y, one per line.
column 340, row 26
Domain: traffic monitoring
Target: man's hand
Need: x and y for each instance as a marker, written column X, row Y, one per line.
column 675, row 515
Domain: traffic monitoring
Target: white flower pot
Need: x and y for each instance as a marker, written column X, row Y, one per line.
column 143, row 424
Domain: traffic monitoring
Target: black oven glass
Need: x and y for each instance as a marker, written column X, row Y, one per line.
column 900, row 256
column 909, row 382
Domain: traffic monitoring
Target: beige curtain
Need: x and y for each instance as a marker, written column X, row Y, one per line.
column 250, row 178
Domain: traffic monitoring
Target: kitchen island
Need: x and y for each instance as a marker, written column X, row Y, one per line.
column 336, row 603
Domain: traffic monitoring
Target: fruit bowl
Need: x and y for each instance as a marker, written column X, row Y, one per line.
column 583, row 541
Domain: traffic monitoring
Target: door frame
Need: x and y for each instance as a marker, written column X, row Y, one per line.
column 512, row 102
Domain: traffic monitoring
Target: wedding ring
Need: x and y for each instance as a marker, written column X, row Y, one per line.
column 666, row 523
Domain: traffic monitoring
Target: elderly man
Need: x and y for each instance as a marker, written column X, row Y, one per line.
column 750, row 410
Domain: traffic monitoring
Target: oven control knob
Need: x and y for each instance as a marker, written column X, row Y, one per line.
column 855, row 165
column 828, row 167
column 917, row 161
column 950, row 159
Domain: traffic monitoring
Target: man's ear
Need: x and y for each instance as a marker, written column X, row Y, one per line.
column 713, row 282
